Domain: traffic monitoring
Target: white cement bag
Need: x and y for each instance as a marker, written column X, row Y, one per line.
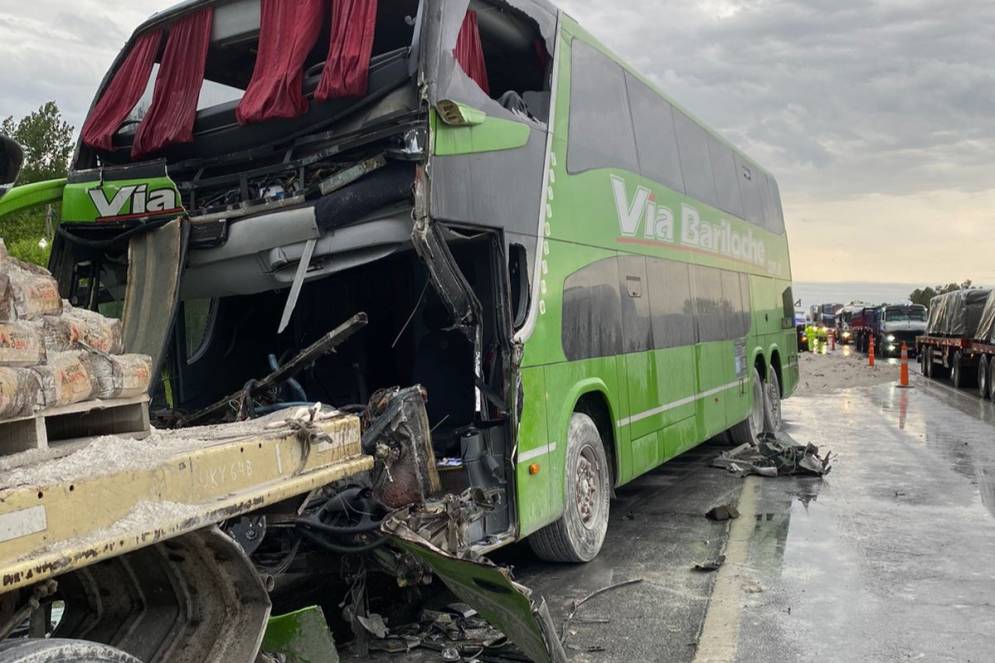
column 76, row 325
column 31, row 291
column 120, row 376
column 21, row 344
column 19, row 392
column 65, row 379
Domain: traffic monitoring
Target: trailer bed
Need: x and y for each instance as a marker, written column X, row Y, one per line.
column 64, row 509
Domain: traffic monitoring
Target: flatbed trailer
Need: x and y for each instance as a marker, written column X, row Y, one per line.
column 967, row 362
column 127, row 534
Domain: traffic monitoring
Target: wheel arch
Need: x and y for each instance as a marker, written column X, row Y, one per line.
column 591, row 398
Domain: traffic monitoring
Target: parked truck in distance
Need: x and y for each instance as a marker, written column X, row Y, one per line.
column 888, row 325
column 960, row 340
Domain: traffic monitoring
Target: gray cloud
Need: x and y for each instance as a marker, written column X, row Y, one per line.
column 838, row 97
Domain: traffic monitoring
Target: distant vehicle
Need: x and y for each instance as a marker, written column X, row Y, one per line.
column 843, row 322
column 801, row 322
column 827, row 315
column 889, row 326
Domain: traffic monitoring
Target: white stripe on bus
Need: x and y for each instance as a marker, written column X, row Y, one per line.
column 676, row 404
column 544, row 450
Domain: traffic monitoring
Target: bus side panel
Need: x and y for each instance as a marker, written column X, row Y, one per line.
column 535, row 448
column 661, row 412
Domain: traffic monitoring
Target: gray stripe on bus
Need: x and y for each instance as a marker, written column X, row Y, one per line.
column 676, row 404
column 544, row 450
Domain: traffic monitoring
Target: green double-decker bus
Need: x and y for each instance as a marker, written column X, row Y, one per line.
column 585, row 280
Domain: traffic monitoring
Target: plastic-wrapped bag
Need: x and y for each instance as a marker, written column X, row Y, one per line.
column 21, row 344
column 75, row 325
column 120, row 376
column 65, row 379
column 20, row 392
column 31, row 292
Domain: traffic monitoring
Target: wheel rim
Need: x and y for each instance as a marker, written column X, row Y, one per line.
column 757, row 413
column 983, row 379
column 588, row 487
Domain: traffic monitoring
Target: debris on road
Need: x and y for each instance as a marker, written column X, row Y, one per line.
column 775, row 456
column 578, row 603
column 722, row 513
column 711, row 565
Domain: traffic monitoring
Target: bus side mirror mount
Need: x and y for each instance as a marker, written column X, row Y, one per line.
column 11, row 160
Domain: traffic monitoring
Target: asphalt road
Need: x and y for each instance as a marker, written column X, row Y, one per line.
column 889, row 558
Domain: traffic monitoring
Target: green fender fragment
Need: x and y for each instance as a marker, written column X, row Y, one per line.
column 302, row 637
column 31, row 195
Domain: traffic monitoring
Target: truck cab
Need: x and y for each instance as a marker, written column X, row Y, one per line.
column 900, row 324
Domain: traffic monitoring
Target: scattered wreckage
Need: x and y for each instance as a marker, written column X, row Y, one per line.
column 775, row 456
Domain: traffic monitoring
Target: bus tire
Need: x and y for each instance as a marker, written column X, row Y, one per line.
column 984, row 377
column 61, row 651
column 579, row 534
column 749, row 430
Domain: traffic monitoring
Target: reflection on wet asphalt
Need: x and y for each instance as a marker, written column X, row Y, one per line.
column 892, row 557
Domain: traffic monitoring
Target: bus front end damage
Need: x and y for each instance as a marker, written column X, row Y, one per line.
column 278, row 232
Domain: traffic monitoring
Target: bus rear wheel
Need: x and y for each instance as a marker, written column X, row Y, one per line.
column 749, row 430
column 61, row 651
column 579, row 534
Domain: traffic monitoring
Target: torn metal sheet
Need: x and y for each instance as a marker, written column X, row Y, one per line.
column 523, row 617
column 774, row 456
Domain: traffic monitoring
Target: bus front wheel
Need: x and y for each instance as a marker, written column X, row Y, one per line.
column 580, row 533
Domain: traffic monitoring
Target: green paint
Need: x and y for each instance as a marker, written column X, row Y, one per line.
column 582, row 226
column 158, row 196
column 456, row 114
column 27, row 196
column 489, row 135
column 302, row 636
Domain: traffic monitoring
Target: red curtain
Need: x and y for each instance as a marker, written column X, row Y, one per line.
column 177, row 89
column 347, row 70
column 469, row 52
column 124, row 91
column 289, row 30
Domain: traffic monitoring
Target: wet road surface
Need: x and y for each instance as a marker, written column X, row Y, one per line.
column 889, row 558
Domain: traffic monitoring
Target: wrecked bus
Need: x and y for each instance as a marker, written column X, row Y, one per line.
column 582, row 280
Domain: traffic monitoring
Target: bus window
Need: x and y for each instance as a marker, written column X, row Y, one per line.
column 728, row 195
column 653, row 118
column 695, row 163
column 671, row 304
column 735, row 306
column 710, row 307
column 591, row 312
column 753, row 184
column 600, row 123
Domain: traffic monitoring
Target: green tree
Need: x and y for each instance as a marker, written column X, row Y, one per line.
column 47, row 140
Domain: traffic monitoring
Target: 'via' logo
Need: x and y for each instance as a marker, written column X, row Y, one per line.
column 142, row 200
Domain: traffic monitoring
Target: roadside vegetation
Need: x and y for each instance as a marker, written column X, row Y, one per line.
column 47, row 140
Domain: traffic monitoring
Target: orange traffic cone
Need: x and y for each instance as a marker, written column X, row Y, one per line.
column 903, row 374
column 870, row 353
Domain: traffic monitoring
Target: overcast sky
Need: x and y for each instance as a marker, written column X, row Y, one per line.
column 877, row 116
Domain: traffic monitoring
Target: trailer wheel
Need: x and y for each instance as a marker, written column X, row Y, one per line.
column 924, row 358
column 61, row 651
column 984, row 375
column 957, row 376
column 580, row 533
